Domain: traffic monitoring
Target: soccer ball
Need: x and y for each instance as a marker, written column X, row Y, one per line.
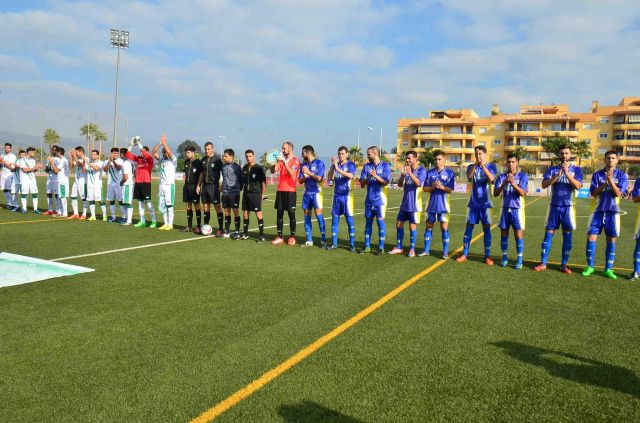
column 206, row 230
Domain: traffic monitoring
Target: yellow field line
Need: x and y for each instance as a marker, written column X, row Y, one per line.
column 19, row 222
column 272, row 374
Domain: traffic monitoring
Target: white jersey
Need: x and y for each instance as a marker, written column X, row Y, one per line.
column 114, row 176
column 127, row 169
column 94, row 177
column 7, row 159
column 63, row 170
column 168, row 170
column 81, row 170
column 24, row 163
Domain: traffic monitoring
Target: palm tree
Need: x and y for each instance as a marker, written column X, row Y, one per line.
column 582, row 150
column 520, row 152
column 355, row 154
column 93, row 133
column 51, row 137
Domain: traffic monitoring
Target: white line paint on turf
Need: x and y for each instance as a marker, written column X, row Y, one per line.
column 159, row 244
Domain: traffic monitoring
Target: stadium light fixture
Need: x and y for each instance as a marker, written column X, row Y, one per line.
column 119, row 40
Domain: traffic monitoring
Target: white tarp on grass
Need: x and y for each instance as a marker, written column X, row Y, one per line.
column 16, row 270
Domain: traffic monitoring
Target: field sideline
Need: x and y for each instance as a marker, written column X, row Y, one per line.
column 167, row 328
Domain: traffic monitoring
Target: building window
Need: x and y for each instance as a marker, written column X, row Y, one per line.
column 586, row 126
column 405, row 130
column 604, row 119
column 497, row 142
column 498, row 127
column 634, row 119
column 482, row 130
column 405, row 144
column 555, row 127
column 604, row 135
column 482, row 143
column 453, row 158
column 587, row 140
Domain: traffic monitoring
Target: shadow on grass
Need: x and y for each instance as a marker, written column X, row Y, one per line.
column 573, row 367
column 308, row 412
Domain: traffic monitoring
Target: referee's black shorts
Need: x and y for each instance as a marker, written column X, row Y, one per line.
column 142, row 191
column 285, row 200
column 252, row 201
column 210, row 194
column 231, row 201
column 189, row 194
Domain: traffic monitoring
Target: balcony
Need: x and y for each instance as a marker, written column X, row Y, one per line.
column 426, row 136
column 630, row 140
column 624, row 126
column 521, row 133
column 629, row 158
column 459, row 136
column 529, row 148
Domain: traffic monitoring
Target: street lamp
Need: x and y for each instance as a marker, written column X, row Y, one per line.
column 119, row 40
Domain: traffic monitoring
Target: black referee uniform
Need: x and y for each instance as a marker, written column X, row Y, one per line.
column 252, row 179
column 210, row 189
column 192, row 170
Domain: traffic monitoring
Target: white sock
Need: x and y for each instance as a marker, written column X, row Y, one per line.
column 85, row 205
column 58, row 205
column 92, row 208
column 50, row 203
column 74, row 205
column 152, row 211
column 23, row 200
column 141, row 210
column 112, row 207
column 129, row 213
column 7, row 195
column 170, row 215
column 64, row 204
column 103, row 207
column 123, row 210
column 34, row 200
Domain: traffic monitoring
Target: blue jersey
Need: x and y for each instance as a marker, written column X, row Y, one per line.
column 606, row 202
column 636, row 188
column 438, row 199
column 311, row 186
column 562, row 192
column 480, row 197
column 342, row 185
column 376, row 192
column 412, row 195
column 510, row 197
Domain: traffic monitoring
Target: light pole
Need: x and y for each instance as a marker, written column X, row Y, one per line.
column 221, row 137
column 119, row 40
column 370, row 135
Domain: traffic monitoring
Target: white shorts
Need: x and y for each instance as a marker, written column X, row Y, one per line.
column 114, row 193
column 94, row 192
column 28, row 187
column 52, row 185
column 167, row 195
column 6, row 181
column 127, row 194
column 79, row 189
column 63, row 189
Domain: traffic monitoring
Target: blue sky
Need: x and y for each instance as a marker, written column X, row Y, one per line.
column 311, row 71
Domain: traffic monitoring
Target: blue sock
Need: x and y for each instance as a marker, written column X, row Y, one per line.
column 335, row 223
column 307, row 227
column 352, row 231
column 399, row 236
column 382, row 233
column 504, row 244
column 487, row 240
column 611, row 255
column 466, row 240
column 413, row 234
column 590, row 252
column 321, row 226
column 445, row 243
column 427, row 239
column 546, row 247
column 519, row 250
column 368, row 229
column 636, row 257
column 567, row 245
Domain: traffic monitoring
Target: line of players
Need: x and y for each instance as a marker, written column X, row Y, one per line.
column 220, row 181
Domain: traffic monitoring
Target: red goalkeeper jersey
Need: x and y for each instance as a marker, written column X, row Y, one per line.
column 145, row 165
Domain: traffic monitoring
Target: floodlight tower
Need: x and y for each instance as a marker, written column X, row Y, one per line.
column 119, row 40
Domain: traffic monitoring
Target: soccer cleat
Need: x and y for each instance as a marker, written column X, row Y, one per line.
column 461, row 259
column 277, row 240
column 62, row 216
column 541, row 267
column 365, row 250
column 307, row 244
column 47, row 213
column 226, row 235
column 153, row 225
column 445, row 257
column 235, row 236
column 488, row 261
column 518, row 266
column 141, row 224
column 634, row 277
column 23, row 211
column 91, row 219
column 412, row 253
column 588, row 271
column 169, row 228
column 187, row 229
column 331, row 247
column 352, row 249
column 111, row 219
column 291, row 240
column 219, row 233
column 197, row 230
column 261, row 240
column 83, row 217
column 379, row 252
column 74, row 216
column 609, row 273
column 424, row 253
column 565, row 269
column 395, row 251
column 105, row 219
column 504, row 263
column 244, row 237
column 15, row 209
column 162, row 228
column 36, row 211
column 125, row 223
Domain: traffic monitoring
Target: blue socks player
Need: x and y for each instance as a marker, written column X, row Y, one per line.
column 342, row 172
column 312, row 175
column 375, row 177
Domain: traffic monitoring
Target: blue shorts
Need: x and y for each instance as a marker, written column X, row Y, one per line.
column 375, row 211
column 609, row 221
column 312, row 201
column 342, row 205
column 564, row 216
column 412, row 217
column 437, row 217
column 512, row 218
column 475, row 216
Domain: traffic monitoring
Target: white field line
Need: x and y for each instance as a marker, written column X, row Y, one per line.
column 158, row 244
